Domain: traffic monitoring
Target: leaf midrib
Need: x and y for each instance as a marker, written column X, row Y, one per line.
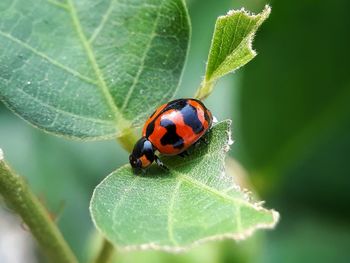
column 198, row 184
column 184, row 177
column 181, row 177
column 121, row 122
column 222, row 41
column 171, row 215
column 233, row 53
column 142, row 65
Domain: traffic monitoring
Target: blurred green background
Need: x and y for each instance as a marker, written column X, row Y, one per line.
column 291, row 124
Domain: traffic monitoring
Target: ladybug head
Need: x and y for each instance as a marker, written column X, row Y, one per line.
column 142, row 155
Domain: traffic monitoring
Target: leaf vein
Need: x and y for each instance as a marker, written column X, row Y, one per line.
column 47, row 58
column 58, row 4
column 233, row 53
column 103, row 22
column 122, row 199
column 44, row 104
column 143, row 59
column 171, row 213
column 209, row 189
column 235, row 34
column 217, row 59
column 119, row 119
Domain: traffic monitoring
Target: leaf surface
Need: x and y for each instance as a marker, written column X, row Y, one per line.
column 194, row 202
column 90, row 69
column 231, row 46
column 232, row 42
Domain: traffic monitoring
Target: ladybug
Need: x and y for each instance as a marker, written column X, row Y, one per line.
column 171, row 130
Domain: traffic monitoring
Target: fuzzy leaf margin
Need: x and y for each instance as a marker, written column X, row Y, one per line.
column 196, row 201
column 231, row 46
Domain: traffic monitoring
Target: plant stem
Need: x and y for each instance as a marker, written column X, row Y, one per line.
column 106, row 253
column 19, row 198
column 204, row 90
column 127, row 139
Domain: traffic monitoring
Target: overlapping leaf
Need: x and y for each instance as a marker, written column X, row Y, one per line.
column 90, row 69
column 195, row 201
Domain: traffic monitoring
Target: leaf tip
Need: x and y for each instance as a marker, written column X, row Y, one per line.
column 264, row 14
column 267, row 10
column 275, row 217
column 1, row 155
column 266, row 225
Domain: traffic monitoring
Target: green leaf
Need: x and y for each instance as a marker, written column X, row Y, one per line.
column 231, row 46
column 194, row 202
column 90, row 69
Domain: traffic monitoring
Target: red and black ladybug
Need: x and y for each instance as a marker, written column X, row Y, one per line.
column 171, row 130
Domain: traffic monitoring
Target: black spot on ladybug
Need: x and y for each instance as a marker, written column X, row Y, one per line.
column 206, row 115
column 176, row 105
column 150, row 128
column 190, row 115
column 171, row 137
column 207, row 118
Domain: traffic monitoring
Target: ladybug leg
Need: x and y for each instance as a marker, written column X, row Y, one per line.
column 160, row 163
column 184, row 154
column 203, row 139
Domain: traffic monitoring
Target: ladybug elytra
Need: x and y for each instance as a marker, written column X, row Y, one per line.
column 171, row 130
